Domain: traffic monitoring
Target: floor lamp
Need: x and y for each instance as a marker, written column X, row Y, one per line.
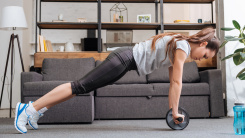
column 13, row 17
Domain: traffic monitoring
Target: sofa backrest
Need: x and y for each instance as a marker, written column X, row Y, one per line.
column 161, row 75
column 131, row 77
column 66, row 69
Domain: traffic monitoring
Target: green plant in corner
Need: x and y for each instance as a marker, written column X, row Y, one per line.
column 239, row 54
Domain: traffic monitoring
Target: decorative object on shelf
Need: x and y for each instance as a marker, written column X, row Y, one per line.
column 61, row 48
column 208, row 22
column 181, row 21
column 60, row 17
column 81, row 20
column 118, row 10
column 115, row 17
column 69, row 47
column 144, row 18
column 121, row 19
column 13, row 17
column 199, row 20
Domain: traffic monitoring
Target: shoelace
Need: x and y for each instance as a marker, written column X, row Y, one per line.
column 35, row 117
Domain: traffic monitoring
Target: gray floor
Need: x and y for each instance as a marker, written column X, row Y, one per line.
column 206, row 128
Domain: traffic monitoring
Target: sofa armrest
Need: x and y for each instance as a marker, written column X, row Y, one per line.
column 29, row 77
column 214, row 79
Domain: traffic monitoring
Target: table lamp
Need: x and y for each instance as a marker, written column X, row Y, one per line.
column 13, row 18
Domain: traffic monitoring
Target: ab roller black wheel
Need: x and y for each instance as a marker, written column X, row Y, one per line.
column 171, row 123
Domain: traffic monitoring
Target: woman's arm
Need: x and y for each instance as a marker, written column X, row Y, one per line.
column 170, row 70
column 176, row 81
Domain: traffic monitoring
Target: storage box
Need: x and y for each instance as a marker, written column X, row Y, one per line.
column 119, row 36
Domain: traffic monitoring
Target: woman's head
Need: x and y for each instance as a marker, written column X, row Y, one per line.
column 203, row 44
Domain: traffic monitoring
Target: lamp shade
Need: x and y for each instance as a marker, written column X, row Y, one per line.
column 13, row 16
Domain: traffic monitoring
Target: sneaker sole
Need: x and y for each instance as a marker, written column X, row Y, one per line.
column 16, row 113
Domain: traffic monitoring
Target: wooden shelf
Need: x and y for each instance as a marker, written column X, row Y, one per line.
column 111, row 1
column 188, row 1
column 130, row 1
column 186, row 26
column 123, row 26
column 39, row 56
column 67, row 25
column 134, row 26
column 69, row 0
column 134, row 1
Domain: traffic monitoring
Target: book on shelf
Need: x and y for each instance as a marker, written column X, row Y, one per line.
column 44, row 45
column 49, row 46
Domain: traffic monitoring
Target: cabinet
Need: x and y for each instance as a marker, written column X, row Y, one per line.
column 158, row 25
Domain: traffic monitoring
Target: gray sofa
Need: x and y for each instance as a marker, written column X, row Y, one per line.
column 130, row 97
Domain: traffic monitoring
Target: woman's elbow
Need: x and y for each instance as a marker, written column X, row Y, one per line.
column 176, row 82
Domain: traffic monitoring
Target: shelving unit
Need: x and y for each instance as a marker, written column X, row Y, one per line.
column 118, row 26
column 99, row 25
column 122, row 26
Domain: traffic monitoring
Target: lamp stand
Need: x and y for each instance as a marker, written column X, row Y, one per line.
column 11, row 46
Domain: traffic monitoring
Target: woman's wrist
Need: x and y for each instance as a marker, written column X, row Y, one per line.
column 174, row 112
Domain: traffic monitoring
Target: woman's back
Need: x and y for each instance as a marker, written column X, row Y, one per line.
column 147, row 60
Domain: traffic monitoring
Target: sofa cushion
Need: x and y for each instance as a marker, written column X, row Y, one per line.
column 66, row 69
column 190, row 74
column 39, row 88
column 131, row 77
column 187, row 89
column 125, row 90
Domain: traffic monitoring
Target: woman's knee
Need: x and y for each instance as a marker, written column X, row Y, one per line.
column 77, row 88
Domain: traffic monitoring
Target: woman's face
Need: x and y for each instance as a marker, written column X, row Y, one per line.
column 199, row 51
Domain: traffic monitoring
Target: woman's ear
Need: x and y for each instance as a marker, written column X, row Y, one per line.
column 204, row 43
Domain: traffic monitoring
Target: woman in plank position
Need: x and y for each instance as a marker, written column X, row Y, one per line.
column 169, row 49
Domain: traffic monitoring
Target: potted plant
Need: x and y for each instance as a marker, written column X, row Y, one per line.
column 239, row 54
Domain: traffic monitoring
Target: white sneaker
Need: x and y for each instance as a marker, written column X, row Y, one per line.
column 32, row 120
column 21, row 117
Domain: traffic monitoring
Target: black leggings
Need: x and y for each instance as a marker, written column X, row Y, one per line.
column 115, row 66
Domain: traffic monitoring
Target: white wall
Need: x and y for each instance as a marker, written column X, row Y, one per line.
column 233, row 10
column 71, row 11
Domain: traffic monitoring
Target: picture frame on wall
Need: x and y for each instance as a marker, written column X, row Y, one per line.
column 144, row 18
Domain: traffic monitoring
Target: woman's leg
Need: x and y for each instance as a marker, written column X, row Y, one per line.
column 110, row 70
column 59, row 94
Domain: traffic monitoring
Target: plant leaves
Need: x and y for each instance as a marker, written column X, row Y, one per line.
column 242, row 76
column 242, row 55
column 237, row 59
column 242, row 35
column 231, row 55
column 234, row 39
column 240, row 72
column 227, row 29
column 229, row 37
column 223, row 44
column 236, row 24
